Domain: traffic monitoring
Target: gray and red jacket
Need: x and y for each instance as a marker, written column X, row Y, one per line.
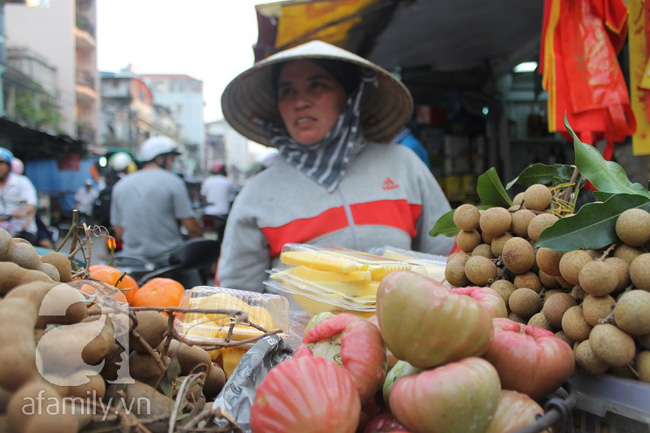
column 387, row 197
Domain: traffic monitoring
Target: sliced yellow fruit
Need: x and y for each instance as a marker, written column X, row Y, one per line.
column 321, row 260
column 230, row 357
column 367, row 288
column 311, row 274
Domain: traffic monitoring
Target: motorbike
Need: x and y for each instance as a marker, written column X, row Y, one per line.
column 190, row 264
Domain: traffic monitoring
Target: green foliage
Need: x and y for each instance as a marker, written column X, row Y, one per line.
column 39, row 115
column 543, row 173
column 606, row 176
column 491, row 191
column 593, row 227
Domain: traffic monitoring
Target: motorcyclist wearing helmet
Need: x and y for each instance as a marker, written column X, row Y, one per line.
column 17, row 200
column 148, row 206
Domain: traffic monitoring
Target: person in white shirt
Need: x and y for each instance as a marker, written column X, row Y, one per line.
column 219, row 192
column 17, row 201
column 85, row 199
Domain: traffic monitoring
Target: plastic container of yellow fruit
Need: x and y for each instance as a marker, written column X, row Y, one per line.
column 266, row 310
column 328, row 279
column 433, row 264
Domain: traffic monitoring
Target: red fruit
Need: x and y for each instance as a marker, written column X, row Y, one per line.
column 488, row 298
column 382, row 423
column 424, row 323
column 529, row 359
column 306, row 395
column 515, row 411
column 362, row 352
column 460, row 397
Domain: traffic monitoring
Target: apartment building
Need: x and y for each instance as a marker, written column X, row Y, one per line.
column 57, row 39
column 129, row 115
column 183, row 96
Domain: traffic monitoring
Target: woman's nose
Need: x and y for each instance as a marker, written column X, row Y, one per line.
column 302, row 101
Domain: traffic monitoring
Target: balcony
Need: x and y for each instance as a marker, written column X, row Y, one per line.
column 84, row 33
column 86, row 89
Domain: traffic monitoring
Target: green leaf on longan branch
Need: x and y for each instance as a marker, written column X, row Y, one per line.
column 606, row 176
column 445, row 225
column 543, row 173
column 593, row 227
column 491, row 191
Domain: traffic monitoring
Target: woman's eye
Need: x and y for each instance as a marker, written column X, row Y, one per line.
column 285, row 92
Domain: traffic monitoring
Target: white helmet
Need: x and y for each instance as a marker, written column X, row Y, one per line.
column 155, row 146
column 119, row 161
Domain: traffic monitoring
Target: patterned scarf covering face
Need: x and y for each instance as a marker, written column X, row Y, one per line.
column 325, row 162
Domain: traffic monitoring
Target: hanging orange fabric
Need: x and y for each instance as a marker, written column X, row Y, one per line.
column 580, row 43
column 639, row 49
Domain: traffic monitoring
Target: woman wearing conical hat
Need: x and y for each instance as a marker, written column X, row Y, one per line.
column 336, row 183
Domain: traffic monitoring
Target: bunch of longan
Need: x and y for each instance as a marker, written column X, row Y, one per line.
column 597, row 301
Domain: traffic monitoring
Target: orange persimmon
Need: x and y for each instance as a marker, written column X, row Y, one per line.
column 159, row 292
column 115, row 277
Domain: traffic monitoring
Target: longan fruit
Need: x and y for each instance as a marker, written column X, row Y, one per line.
column 575, row 325
column 495, row 221
column 516, row 318
column 627, row 252
column 548, row 293
column 577, row 293
column 540, row 223
column 518, row 255
column 564, row 283
column 497, row 243
column 598, row 278
column 504, row 288
column 547, row 280
column 595, row 308
column 480, row 270
column 612, row 345
column 468, row 240
column 520, row 221
column 529, row 280
column 562, row 336
column 519, row 198
column 642, row 364
column 632, row 312
column 484, row 250
column 537, row 197
column 555, row 306
column 525, row 302
column 455, row 270
column 548, row 260
column 466, row 217
column 587, row 360
column 571, row 263
column 644, row 340
column 622, row 271
column 539, row 321
column 633, row 227
column 640, row 272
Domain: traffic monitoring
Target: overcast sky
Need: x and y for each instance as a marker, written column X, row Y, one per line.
column 210, row 40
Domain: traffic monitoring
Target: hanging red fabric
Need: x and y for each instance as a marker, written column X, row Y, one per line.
column 580, row 43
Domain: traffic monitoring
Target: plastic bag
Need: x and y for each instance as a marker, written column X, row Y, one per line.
column 236, row 397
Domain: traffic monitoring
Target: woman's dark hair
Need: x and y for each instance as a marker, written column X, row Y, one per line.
column 348, row 74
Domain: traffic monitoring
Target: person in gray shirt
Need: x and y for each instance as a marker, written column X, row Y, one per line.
column 148, row 206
